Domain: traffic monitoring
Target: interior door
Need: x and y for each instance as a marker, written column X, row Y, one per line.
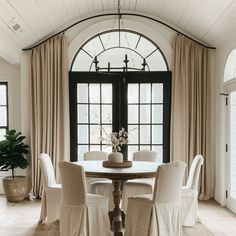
column 232, row 151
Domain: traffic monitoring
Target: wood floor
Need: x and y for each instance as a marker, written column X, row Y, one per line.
column 21, row 220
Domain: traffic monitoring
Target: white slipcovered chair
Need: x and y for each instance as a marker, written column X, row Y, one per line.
column 190, row 193
column 51, row 197
column 158, row 214
column 139, row 186
column 96, row 185
column 82, row 214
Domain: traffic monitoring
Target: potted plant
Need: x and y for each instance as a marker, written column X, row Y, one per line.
column 12, row 156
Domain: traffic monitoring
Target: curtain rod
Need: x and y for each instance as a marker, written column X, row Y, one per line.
column 118, row 14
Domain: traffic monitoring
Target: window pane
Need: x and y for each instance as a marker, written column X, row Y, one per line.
column 2, row 133
column 145, row 93
column 106, row 148
column 157, row 93
column 106, row 130
column 106, row 113
column 82, row 115
column 95, row 148
column 94, row 134
column 106, row 93
column 145, row 114
column 145, row 147
column 3, row 95
column 82, row 134
column 82, row 93
column 94, row 93
column 3, row 116
column 145, row 47
column 128, row 39
column 157, row 134
column 110, row 39
column 93, row 47
column 131, row 150
column 133, row 134
column 132, row 114
column 95, row 114
column 81, row 150
column 133, row 93
column 156, row 62
column 158, row 149
column 144, row 134
column 82, row 62
column 157, row 113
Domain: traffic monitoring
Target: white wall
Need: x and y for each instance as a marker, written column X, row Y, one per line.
column 11, row 74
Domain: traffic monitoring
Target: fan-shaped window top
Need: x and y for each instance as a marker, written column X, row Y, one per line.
column 115, row 50
column 230, row 67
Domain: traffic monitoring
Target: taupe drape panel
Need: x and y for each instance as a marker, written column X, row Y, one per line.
column 49, row 105
column 191, row 130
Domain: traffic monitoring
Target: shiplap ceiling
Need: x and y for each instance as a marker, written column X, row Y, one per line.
column 25, row 22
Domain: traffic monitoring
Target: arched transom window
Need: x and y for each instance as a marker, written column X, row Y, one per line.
column 113, row 49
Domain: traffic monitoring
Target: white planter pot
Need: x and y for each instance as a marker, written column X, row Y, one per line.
column 115, row 157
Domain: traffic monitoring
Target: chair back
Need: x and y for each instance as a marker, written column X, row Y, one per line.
column 95, row 156
column 145, row 155
column 169, row 180
column 194, row 172
column 47, row 170
column 73, row 184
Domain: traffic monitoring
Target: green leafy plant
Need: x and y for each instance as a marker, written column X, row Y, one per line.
column 12, row 152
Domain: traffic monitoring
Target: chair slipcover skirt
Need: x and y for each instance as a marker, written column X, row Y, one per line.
column 165, row 218
column 87, row 219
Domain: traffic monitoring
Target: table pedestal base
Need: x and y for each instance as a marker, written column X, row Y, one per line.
column 117, row 216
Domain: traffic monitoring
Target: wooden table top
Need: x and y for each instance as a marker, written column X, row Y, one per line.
column 139, row 169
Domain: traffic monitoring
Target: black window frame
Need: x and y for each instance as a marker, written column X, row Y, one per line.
column 120, row 81
column 7, row 106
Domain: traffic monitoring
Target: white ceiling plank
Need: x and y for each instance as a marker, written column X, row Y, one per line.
column 70, row 9
column 110, row 4
column 10, row 17
column 97, row 5
column 55, row 21
column 32, row 17
column 197, row 25
column 173, row 10
column 225, row 19
column 187, row 13
column 58, row 11
column 142, row 5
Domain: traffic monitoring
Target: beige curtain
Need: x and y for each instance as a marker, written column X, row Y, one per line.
column 192, row 110
column 49, row 105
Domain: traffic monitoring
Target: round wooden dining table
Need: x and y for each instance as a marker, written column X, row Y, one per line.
column 139, row 169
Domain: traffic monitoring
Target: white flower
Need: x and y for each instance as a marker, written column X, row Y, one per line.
column 117, row 139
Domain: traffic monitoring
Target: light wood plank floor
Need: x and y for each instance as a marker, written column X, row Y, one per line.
column 21, row 220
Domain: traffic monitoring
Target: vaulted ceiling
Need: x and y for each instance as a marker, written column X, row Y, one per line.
column 25, row 22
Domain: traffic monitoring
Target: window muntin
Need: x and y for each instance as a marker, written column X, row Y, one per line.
column 3, row 109
column 112, row 47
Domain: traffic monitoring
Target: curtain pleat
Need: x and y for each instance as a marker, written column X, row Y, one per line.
column 192, row 116
column 49, row 96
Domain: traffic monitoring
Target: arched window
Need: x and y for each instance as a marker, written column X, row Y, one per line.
column 113, row 46
column 120, row 79
column 230, row 67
